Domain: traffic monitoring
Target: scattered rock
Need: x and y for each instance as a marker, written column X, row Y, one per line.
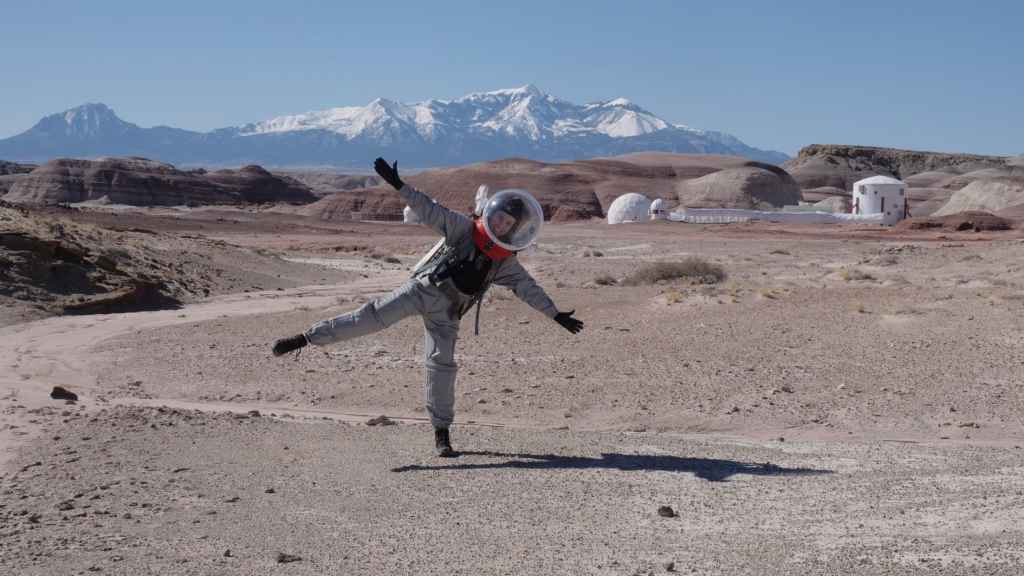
column 227, row 553
column 670, row 566
column 381, row 420
column 283, row 558
column 61, row 393
column 270, row 491
column 667, row 512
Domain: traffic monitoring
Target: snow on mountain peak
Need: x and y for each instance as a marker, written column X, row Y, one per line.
column 89, row 113
column 523, row 112
column 85, row 120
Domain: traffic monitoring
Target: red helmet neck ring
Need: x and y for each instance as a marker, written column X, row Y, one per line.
column 486, row 245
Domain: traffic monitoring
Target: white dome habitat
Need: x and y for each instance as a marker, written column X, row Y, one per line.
column 630, row 207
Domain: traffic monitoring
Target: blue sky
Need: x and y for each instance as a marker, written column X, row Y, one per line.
column 925, row 75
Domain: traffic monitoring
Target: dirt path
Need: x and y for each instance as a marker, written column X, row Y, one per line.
column 161, row 491
column 39, row 355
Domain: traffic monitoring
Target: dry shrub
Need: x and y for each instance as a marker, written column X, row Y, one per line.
column 376, row 255
column 850, row 274
column 696, row 270
column 674, row 297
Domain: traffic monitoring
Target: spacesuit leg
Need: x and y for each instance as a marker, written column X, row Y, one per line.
column 408, row 299
column 441, row 332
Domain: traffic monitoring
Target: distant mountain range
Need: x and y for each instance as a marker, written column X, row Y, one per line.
column 520, row 122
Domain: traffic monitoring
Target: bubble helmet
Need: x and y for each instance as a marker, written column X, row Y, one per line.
column 522, row 228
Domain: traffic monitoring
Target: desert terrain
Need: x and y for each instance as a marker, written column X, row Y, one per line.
column 847, row 400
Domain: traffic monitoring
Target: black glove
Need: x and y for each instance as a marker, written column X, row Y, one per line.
column 568, row 322
column 388, row 172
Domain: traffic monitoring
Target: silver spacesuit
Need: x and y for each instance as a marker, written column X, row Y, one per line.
column 438, row 299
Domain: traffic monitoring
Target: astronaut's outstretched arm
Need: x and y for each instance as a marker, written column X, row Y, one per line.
column 445, row 222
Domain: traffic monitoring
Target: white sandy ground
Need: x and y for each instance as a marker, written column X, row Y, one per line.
column 798, row 422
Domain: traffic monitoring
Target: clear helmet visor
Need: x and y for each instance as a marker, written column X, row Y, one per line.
column 512, row 219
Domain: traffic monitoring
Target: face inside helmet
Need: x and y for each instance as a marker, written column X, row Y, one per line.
column 512, row 219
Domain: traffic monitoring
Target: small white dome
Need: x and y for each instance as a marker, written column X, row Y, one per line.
column 659, row 209
column 630, row 207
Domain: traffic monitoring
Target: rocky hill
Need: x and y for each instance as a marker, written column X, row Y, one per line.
column 840, row 166
column 143, row 182
column 581, row 189
column 828, row 170
column 11, row 172
column 323, row 182
column 7, row 168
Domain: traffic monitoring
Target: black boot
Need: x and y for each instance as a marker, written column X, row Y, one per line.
column 286, row 345
column 443, row 444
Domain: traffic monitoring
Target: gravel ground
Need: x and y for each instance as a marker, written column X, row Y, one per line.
column 845, row 402
column 163, row 491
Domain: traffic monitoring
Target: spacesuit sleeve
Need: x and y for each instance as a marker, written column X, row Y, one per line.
column 513, row 275
column 445, row 222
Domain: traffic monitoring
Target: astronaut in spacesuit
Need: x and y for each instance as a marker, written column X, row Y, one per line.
column 475, row 253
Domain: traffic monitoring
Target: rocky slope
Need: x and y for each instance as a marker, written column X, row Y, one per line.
column 51, row 264
column 987, row 194
column 11, row 172
column 143, row 182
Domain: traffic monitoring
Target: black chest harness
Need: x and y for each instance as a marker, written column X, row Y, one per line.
column 470, row 277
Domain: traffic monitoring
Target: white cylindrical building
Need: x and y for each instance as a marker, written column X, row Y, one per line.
column 880, row 195
column 409, row 217
column 630, row 207
column 659, row 209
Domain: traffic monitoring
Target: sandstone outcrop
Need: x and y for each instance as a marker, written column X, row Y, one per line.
column 754, row 186
column 988, row 194
column 143, row 182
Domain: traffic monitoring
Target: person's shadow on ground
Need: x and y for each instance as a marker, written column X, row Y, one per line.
column 710, row 469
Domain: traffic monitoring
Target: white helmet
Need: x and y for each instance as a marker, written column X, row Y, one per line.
column 517, row 215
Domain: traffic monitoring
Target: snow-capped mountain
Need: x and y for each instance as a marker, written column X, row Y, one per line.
column 480, row 126
column 521, row 112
